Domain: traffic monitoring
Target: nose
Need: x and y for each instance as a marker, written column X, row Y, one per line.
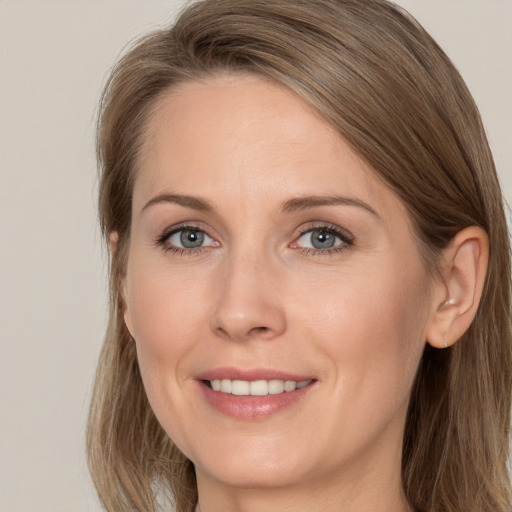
column 250, row 300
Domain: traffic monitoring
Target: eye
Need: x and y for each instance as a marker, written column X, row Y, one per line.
column 189, row 239
column 319, row 239
column 323, row 240
column 186, row 238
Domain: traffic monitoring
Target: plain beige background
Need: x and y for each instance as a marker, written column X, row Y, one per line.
column 54, row 56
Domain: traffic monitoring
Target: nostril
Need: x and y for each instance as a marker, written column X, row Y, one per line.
column 259, row 329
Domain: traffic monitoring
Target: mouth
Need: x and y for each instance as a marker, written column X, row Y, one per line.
column 256, row 387
column 254, row 394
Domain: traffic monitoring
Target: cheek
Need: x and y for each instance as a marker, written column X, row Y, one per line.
column 162, row 306
column 372, row 333
column 390, row 298
column 163, row 314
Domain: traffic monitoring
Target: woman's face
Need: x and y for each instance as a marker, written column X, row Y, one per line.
column 267, row 258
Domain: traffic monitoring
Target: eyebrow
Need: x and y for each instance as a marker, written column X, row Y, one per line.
column 183, row 200
column 292, row 205
column 304, row 203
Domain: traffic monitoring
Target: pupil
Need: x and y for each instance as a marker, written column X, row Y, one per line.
column 322, row 240
column 191, row 239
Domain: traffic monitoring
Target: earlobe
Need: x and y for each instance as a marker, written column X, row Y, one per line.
column 456, row 303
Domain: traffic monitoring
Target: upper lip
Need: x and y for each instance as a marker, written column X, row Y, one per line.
column 251, row 374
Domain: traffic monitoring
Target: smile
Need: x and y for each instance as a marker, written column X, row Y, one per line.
column 257, row 387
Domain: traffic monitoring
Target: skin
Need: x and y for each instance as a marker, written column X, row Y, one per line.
column 256, row 296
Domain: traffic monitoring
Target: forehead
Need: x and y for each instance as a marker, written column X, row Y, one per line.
column 248, row 137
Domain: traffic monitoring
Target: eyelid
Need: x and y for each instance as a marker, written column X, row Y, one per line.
column 344, row 234
column 347, row 239
column 184, row 226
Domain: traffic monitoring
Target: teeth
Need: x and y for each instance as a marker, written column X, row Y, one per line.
column 275, row 387
column 240, row 387
column 225, row 386
column 290, row 385
column 257, row 387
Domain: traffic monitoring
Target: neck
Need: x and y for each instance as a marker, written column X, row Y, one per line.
column 275, row 501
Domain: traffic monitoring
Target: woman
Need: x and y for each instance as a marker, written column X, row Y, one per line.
column 310, row 269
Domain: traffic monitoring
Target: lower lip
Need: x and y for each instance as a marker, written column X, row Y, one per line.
column 252, row 407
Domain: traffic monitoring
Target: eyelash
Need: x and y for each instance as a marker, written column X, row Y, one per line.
column 180, row 251
column 347, row 240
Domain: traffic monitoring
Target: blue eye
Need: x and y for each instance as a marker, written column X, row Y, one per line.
column 319, row 239
column 323, row 240
column 186, row 238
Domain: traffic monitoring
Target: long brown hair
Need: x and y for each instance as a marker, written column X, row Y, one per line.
column 388, row 89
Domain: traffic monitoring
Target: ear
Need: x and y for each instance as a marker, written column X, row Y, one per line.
column 457, row 295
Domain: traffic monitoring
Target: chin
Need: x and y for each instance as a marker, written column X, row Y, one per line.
column 254, row 463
